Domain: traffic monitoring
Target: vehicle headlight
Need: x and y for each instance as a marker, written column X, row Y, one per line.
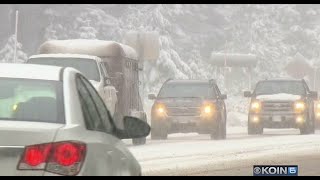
column 160, row 109
column 255, row 106
column 208, row 109
column 318, row 110
column 299, row 106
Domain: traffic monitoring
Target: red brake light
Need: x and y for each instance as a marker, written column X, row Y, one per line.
column 67, row 154
column 65, row 158
column 35, row 155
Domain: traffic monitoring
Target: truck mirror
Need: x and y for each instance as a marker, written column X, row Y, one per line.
column 247, row 94
column 313, row 95
column 152, row 96
column 223, row 96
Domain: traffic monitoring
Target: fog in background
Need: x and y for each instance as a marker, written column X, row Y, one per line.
column 188, row 36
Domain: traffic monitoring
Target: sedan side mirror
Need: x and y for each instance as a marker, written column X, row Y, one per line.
column 223, row 96
column 152, row 96
column 313, row 94
column 133, row 128
column 247, row 94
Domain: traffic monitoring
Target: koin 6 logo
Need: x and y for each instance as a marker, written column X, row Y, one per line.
column 275, row 170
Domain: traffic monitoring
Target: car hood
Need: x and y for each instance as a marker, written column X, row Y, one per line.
column 182, row 102
column 279, row 97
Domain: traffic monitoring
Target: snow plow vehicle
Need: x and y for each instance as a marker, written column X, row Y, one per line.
column 120, row 65
column 188, row 106
column 281, row 103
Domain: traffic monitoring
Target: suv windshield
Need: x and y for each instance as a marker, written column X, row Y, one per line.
column 185, row 90
column 88, row 67
column 277, row 87
column 31, row 100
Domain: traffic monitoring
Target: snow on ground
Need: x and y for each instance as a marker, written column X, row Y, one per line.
column 237, row 119
column 191, row 151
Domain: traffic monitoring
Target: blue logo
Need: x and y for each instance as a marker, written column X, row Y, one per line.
column 290, row 170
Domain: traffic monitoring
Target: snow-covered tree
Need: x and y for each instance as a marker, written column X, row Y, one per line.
column 7, row 52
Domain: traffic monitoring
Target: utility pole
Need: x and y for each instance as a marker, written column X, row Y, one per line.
column 225, row 67
column 16, row 38
column 315, row 78
column 141, row 65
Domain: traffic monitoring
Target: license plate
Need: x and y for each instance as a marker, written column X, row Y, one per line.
column 276, row 118
column 181, row 120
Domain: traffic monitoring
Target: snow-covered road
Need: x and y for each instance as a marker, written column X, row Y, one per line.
column 193, row 154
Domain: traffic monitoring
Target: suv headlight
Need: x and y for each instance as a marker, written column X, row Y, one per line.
column 299, row 106
column 208, row 109
column 255, row 106
column 160, row 109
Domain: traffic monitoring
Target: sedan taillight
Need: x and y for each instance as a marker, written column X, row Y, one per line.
column 64, row 158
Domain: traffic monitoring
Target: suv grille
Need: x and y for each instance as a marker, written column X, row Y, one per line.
column 277, row 106
column 184, row 111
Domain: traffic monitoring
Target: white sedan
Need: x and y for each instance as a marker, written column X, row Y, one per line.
column 53, row 122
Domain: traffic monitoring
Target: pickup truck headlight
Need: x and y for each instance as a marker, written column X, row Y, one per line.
column 255, row 106
column 299, row 106
column 317, row 111
column 208, row 109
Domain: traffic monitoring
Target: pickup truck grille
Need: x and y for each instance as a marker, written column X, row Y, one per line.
column 183, row 111
column 277, row 106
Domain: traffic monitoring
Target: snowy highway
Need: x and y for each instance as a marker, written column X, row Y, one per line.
column 193, row 154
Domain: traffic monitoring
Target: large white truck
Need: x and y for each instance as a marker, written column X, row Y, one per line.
column 123, row 65
column 91, row 66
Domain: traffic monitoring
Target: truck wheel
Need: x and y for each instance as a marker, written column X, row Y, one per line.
column 139, row 141
column 220, row 132
column 308, row 128
column 158, row 133
column 217, row 133
column 255, row 129
column 313, row 126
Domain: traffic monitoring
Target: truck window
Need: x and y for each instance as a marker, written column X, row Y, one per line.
column 187, row 90
column 277, row 87
column 113, row 65
column 88, row 67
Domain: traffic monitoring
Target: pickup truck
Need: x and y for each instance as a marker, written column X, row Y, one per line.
column 281, row 103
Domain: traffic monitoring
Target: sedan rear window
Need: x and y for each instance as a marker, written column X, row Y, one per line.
column 31, row 100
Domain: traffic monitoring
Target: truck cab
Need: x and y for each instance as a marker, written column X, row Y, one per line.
column 122, row 66
column 281, row 103
column 91, row 66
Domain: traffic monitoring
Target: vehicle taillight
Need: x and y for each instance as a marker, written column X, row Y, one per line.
column 64, row 158
column 35, row 156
